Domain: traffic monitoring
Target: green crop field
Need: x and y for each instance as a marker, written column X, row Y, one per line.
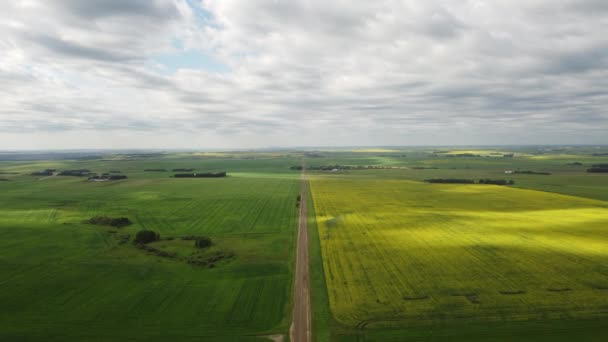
column 63, row 279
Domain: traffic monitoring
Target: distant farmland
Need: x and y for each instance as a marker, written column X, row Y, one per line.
column 403, row 253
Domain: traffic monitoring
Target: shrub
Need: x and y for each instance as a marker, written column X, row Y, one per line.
column 110, row 221
column 598, row 169
column 146, row 236
column 496, row 181
column 450, row 181
column 202, row 242
column 42, row 173
column 200, row 175
column 533, row 173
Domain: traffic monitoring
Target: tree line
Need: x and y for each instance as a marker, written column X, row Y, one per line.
column 533, row 172
column 470, row 181
column 201, row 175
column 598, row 169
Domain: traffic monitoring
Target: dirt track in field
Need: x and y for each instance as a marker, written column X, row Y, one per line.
column 300, row 330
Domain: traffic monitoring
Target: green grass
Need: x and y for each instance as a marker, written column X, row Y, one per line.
column 321, row 315
column 66, row 280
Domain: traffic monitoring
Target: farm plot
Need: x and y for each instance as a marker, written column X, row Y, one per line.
column 64, row 279
column 401, row 253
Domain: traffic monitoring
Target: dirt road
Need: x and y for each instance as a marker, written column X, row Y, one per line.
column 300, row 330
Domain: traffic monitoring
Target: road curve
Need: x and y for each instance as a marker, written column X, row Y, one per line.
column 300, row 330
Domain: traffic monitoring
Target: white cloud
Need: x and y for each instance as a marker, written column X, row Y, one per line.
column 303, row 73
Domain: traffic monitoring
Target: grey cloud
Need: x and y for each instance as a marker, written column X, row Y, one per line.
column 108, row 8
column 67, row 48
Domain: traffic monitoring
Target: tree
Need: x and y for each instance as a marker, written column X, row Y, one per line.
column 202, row 242
column 146, row 236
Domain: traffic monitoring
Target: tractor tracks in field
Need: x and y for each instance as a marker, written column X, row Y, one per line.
column 300, row 330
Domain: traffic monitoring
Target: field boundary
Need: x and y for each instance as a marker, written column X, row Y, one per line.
column 300, row 329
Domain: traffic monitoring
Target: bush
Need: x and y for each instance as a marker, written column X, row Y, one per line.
column 155, row 170
column 146, row 236
column 450, row 181
column 533, row 173
column 200, row 175
column 202, row 242
column 42, row 173
column 598, row 169
column 76, row 173
column 496, row 181
column 110, row 221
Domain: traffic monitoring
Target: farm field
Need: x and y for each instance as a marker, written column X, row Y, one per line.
column 390, row 255
column 401, row 253
column 67, row 280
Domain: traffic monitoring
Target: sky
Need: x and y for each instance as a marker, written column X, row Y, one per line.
column 279, row 73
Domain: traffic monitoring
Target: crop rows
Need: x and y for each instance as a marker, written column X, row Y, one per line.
column 413, row 253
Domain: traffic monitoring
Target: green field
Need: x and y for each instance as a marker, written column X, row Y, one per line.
column 63, row 279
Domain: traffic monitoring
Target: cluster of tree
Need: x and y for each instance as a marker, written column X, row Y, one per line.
column 45, row 172
column 155, row 251
column 462, row 155
column 497, row 181
column 508, row 155
column 533, row 172
column 155, row 170
column 199, row 241
column 183, row 170
column 339, row 167
column 314, row 155
column 450, row 181
column 575, row 164
column 3, row 180
column 470, row 181
column 298, row 200
column 202, row 242
column 600, row 154
column 146, row 236
column 77, row 173
column 210, row 261
column 424, row 168
column 598, row 169
column 107, row 176
column 201, row 175
column 115, row 171
column 110, row 221
column 599, row 165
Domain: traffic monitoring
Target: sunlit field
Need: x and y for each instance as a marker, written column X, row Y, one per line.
column 407, row 253
column 66, row 280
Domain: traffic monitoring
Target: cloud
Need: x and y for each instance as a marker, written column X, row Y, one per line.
column 230, row 73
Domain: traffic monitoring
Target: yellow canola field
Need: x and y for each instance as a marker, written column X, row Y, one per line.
column 404, row 253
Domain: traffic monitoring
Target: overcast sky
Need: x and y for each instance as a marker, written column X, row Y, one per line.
column 258, row 73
